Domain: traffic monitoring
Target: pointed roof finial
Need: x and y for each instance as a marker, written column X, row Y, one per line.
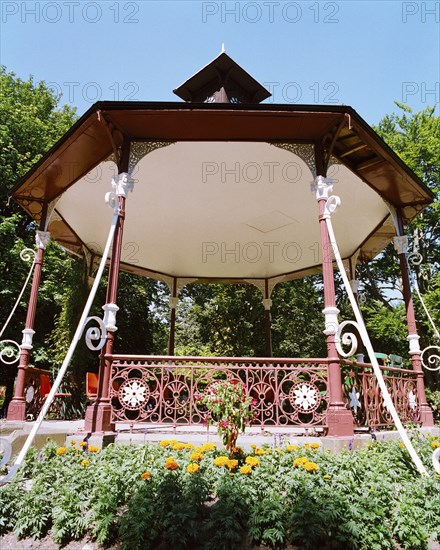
column 223, row 48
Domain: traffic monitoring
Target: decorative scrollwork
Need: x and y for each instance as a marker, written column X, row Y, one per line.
column 28, row 254
column 332, row 204
column 431, row 359
column 111, row 199
column 134, row 393
column 348, row 339
column 95, row 333
column 10, row 352
column 415, row 258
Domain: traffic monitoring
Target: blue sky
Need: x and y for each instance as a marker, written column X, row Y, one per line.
column 361, row 53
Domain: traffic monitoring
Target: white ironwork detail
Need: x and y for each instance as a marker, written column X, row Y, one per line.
column 174, row 300
column 412, row 400
column 354, row 399
column 139, row 149
column 28, row 335
column 10, row 353
column 305, row 151
column 267, row 303
column 122, row 184
column 322, row 187
column 360, row 325
column 401, row 244
column 95, row 334
column 30, row 392
column 331, row 320
column 110, row 311
column 305, row 396
column 348, row 339
column 42, row 239
column 430, row 357
column 414, row 346
column 133, row 393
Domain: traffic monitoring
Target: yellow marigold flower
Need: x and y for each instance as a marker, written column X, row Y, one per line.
column 314, row 446
column 189, row 446
column 85, row 463
column 61, row 450
column 279, row 450
column 165, row 443
column 237, row 451
column 221, row 461
column 252, row 461
column 300, row 461
column 253, row 446
column 306, row 446
column 327, row 476
column 435, row 444
column 246, row 470
column 192, row 468
column 83, row 444
column 93, row 449
column 232, row 463
column 146, row 475
column 402, row 445
column 232, row 474
column 291, row 448
column 171, row 464
column 207, row 447
column 196, row 456
column 311, row 466
column 72, row 442
column 259, row 452
column 179, row 446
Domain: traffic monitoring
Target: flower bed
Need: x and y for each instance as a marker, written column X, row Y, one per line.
column 174, row 495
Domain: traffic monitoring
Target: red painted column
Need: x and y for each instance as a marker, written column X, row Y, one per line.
column 17, row 406
column 98, row 414
column 173, row 305
column 339, row 417
column 401, row 243
column 267, row 303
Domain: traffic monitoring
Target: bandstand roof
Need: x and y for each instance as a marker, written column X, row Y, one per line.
column 222, row 191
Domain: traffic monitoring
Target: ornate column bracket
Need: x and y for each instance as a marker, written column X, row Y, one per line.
column 322, row 187
column 267, row 303
column 42, row 239
column 174, row 300
column 331, row 320
column 28, row 335
column 110, row 311
column 401, row 244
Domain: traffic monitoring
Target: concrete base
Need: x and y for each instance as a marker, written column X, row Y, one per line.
column 426, row 416
column 98, row 418
column 16, row 410
column 339, row 422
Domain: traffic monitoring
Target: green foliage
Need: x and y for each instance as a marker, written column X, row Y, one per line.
column 367, row 499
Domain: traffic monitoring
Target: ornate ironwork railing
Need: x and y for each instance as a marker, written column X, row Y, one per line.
column 364, row 397
column 287, row 392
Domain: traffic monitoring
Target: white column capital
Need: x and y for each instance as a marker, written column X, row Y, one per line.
column 110, row 311
column 355, row 284
column 322, row 187
column 174, row 300
column 401, row 244
column 122, row 184
column 28, row 335
column 42, row 238
column 331, row 320
column 414, row 346
column 267, row 303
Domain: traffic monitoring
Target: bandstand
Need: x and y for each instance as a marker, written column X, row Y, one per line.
column 222, row 188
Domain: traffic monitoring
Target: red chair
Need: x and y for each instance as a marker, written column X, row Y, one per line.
column 91, row 385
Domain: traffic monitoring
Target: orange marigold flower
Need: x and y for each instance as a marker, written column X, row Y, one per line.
column 85, row 463
column 252, row 461
column 171, row 464
column 291, row 448
column 61, row 450
column 83, row 444
column 221, row 461
column 311, row 466
column 93, row 449
column 232, row 463
column 192, row 468
column 246, row 470
column 146, row 475
column 314, row 446
column 196, row 456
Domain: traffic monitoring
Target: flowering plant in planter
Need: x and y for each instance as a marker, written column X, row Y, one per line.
column 230, row 408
